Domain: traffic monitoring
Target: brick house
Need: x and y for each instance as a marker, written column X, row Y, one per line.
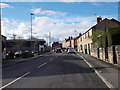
column 67, row 43
column 24, row 45
column 70, row 42
column 56, row 45
column 85, row 43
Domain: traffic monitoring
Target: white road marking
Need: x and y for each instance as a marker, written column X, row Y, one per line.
column 54, row 58
column 24, row 75
column 42, row 65
column 88, row 64
column 15, row 80
column 46, row 62
column 109, row 85
column 51, row 59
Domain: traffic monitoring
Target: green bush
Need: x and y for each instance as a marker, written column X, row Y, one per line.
column 11, row 55
column 17, row 55
column 27, row 55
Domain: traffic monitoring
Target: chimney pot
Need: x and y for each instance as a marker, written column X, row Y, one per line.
column 99, row 19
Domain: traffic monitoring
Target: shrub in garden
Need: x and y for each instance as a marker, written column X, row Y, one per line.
column 17, row 55
column 11, row 55
column 27, row 55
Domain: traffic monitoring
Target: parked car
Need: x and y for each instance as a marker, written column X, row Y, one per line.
column 58, row 51
column 71, row 50
column 18, row 52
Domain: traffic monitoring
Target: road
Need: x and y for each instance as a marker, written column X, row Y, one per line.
column 57, row 70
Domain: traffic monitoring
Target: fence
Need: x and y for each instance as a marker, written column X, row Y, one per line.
column 117, row 48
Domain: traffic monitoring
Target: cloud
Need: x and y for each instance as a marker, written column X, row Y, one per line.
column 60, row 28
column 40, row 11
column 43, row 25
column 4, row 5
column 10, row 27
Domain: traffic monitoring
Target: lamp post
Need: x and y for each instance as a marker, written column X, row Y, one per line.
column 31, row 30
column 0, row 40
column 75, row 33
column 49, row 39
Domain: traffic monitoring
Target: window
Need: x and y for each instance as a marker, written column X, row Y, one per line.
column 88, row 34
column 80, row 38
column 81, row 47
column 85, row 35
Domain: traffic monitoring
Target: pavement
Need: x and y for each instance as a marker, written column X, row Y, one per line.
column 61, row 70
column 108, row 71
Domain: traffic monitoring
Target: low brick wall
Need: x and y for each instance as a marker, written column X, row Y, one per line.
column 110, row 55
column 93, row 52
column 102, row 53
column 113, row 56
column 117, row 48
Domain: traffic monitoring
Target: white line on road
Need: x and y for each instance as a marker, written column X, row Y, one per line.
column 42, row 65
column 46, row 62
column 51, row 59
column 15, row 80
column 88, row 64
column 109, row 85
column 24, row 75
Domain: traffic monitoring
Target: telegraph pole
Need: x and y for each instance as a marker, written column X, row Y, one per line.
column 75, row 33
column 49, row 38
column 0, row 36
column 0, row 49
column 31, row 30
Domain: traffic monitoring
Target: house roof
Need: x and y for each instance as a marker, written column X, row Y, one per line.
column 105, row 23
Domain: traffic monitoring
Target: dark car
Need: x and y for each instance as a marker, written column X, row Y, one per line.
column 58, row 51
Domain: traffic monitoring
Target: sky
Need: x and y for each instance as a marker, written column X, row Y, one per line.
column 62, row 19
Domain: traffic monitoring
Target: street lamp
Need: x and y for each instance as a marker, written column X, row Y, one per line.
column 75, row 33
column 31, row 30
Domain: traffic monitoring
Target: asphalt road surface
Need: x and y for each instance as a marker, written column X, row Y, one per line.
column 57, row 70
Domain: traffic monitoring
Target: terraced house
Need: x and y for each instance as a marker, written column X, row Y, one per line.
column 96, row 37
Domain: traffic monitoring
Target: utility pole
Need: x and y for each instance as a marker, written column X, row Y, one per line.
column 31, row 30
column 50, row 39
column 0, row 37
column 75, row 33
column 0, row 49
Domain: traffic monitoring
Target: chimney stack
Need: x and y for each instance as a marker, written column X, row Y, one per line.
column 99, row 19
